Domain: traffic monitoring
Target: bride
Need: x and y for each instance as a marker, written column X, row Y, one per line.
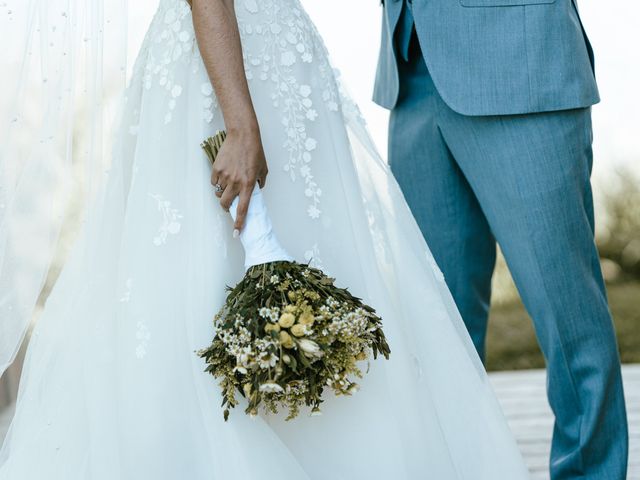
column 111, row 386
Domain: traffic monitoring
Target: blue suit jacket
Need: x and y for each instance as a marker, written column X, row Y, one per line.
column 493, row 57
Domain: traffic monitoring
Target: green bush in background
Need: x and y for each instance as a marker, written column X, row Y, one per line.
column 619, row 240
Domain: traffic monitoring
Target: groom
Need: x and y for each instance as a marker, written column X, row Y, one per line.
column 490, row 140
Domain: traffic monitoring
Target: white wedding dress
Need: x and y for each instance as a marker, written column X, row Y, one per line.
column 112, row 388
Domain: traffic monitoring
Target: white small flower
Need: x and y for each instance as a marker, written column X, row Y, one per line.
column 310, row 348
column 275, row 279
column 267, row 360
column 271, row 388
column 274, row 314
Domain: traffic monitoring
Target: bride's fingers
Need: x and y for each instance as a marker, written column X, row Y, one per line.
column 215, row 177
column 243, row 208
column 217, row 183
column 262, row 181
column 228, row 194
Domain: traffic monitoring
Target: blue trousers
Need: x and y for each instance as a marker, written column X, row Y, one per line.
column 523, row 181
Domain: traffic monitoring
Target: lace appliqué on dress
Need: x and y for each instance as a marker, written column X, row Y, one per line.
column 170, row 220
column 288, row 38
column 143, row 335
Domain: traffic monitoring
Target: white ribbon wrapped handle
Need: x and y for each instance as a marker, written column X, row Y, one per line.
column 257, row 237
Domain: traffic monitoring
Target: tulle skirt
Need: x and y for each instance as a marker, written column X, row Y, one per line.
column 112, row 387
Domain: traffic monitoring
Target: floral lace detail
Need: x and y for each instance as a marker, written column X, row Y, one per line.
column 143, row 335
column 170, row 220
column 288, row 37
column 278, row 39
column 171, row 41
column 380, row 243
column 210, row 102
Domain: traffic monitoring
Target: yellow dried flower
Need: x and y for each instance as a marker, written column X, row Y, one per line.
column 271, row 327
column 361, row 356
column 287, row 320
column 292, row 295
column 299, row 330
column 306, row 318
column 290, row 309
column 285, row 340
column 247, row 389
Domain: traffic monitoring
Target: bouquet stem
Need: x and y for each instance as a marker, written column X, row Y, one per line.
column 258, row 238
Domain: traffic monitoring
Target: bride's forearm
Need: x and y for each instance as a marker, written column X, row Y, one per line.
column 216, row 29
column 241, row 161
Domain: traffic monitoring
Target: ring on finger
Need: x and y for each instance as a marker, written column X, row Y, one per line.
column 218, row 188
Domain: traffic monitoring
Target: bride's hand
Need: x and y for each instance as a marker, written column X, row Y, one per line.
column 240, row 164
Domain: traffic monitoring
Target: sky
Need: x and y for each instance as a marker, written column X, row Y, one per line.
column 614, row 30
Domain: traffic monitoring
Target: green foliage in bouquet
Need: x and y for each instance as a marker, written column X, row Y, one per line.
column 286, row 333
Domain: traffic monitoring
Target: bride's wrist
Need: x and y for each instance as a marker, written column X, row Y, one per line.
column 248, row 129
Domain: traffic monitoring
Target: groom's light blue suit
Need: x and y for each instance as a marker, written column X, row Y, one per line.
column 490, row 139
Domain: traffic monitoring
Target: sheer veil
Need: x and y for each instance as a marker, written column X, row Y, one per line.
column 64, row 64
